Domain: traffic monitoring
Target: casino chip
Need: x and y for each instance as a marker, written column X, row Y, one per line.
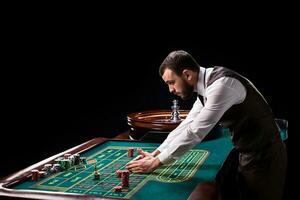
column 130, row 152
column 117, row 188
column 125, row 178
column 96, row 175
column 35, row 175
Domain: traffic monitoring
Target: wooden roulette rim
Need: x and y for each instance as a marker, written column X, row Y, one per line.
column 158, row 120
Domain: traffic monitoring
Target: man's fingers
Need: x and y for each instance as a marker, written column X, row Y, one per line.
column 135, row 169
column 138, row 171
column 138, row 157
column 143, row 153
column 132, row 164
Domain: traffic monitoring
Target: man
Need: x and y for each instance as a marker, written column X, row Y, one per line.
column 255, row 168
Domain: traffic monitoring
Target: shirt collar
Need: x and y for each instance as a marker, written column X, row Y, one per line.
column 200, row 84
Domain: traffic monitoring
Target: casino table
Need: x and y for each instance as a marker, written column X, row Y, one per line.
column 175, row 181
column 179, row 180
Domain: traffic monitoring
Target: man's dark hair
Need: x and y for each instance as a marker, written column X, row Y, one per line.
column 177, row 61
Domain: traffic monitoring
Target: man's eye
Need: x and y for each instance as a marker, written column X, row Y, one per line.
column 170, row 83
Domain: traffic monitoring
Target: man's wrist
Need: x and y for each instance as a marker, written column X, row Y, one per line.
column 157, row 163
column 155, row 153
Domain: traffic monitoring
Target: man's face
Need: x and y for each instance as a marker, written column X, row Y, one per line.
column 178, row 84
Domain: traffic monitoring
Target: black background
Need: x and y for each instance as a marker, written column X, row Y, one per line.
column 68, row 82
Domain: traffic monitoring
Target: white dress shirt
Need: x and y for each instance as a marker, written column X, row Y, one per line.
column 220, row 95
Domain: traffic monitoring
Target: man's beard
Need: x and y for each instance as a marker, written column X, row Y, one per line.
column 187, row 91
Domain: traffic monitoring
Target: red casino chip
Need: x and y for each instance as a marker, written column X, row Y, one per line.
column 35, row 175
column 117, row 188
column 125, row 178
column 130, row 152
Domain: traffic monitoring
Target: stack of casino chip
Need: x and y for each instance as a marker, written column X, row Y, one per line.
column 35, row 175
column 125, row 178
column 130, row 152
column 119, row 173
column 47, row 167
column 76, row 159
column 55, row 168
column 96, row 175
column 72, row 159
column 58, row 159
column 42, row 174
column 65, row 164
column 67, row 155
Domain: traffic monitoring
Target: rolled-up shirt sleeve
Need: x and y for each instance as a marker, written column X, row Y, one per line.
column 221, row 95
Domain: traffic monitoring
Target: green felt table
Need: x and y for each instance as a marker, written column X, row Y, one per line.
column 174, row 181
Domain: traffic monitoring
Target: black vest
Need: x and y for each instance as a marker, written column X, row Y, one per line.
column 251, row 123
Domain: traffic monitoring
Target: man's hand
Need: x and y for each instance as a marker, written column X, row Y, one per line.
column 145, row 153
column 142, row 154
column 144, row 163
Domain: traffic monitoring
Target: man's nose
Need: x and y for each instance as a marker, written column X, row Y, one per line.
column 171, row 89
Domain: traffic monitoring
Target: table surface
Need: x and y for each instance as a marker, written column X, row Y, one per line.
column 175, row 181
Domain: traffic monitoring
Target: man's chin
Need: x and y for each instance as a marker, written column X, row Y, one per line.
column 186, row 97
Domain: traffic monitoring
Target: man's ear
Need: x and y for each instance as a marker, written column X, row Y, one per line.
column 187, row 74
